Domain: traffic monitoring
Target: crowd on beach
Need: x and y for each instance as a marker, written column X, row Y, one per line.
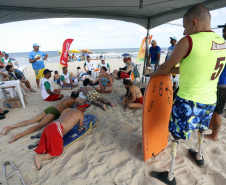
column 201, row 95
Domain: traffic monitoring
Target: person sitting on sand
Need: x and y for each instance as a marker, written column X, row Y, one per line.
column 48, row 94
column 16, row 74
column 124, row 73
column 105, row 81
column 105, row 64
column 56, row 77
column 66, row 80
column 49, row 114
column 51, row 141
column 133, row 98
column 94, row 97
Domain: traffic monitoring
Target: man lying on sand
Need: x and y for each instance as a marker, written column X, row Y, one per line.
column 51, row 142
column 94, row 97
column 44, row 118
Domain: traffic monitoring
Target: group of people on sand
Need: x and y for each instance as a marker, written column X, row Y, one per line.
column 199, row 100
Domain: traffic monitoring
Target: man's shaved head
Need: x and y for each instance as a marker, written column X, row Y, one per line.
column 196, row 19
column 199, row 12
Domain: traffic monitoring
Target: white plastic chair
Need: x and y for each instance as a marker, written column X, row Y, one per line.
column 176, row 80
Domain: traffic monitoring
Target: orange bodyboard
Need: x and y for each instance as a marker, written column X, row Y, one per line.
column 157, row 108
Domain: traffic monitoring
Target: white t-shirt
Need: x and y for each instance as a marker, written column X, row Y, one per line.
column 65, row 77
column 43, row 89
column 89, row 65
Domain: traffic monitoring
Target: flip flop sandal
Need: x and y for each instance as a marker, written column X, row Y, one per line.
column 193, row 154
column 36, row 136
column 33, row 146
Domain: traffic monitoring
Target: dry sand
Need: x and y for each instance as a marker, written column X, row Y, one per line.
column 111, row 153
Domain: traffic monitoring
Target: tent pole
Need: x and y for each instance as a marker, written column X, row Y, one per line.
column 146, row 49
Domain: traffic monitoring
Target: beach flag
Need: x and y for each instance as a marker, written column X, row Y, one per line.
column 64, row 54
column 141, row 53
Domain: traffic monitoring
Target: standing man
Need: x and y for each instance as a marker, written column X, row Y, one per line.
column 66, row 80
column 48, row 94
column 36, row 58
column 173, row 41
column 154, row 55
column 215, row 123
column 201, row 54
column 105, row 64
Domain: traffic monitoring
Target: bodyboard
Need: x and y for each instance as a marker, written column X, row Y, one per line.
column 157, row 108
column 73, row 135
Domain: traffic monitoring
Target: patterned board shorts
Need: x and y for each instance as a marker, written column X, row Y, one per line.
column 92, row 95
column 187, row 116
column 39, row 73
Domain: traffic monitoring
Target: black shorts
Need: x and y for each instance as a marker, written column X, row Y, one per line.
column 221, row 100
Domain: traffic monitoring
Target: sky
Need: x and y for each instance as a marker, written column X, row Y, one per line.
column 89, row 33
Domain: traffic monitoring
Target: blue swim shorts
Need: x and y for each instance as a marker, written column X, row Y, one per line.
column 187, row 116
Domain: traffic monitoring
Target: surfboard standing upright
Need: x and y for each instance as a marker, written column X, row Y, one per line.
column 157, row 108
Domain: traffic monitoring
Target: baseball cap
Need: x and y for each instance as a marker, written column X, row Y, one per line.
column 47, row 71
column 173, row 38
column 35, row 44
column 128, row 58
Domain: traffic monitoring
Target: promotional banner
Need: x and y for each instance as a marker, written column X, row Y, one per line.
column 141, row 53
column 64, row 54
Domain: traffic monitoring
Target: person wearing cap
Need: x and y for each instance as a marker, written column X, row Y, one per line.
column 5, row 60
column 36, row 58
column 66, row 80
column 215, row 122
column 48, row 94
column 154, row 55
column 51, row 141
column 173, row 41
column 105, row 64
column 124, row 72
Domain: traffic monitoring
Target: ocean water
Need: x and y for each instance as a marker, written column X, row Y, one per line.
column 22, row 57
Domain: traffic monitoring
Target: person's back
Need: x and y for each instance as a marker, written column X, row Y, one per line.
column 134, row 88
column 70, row 119
column 199, row 71
column 66, row 102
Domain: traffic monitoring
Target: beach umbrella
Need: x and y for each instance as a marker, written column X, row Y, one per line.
column 74, row 51
column 85, row 51
column 125, row 54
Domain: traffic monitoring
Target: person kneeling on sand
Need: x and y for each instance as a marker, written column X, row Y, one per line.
column 48, row 94
column 49, row 114
column 105, row 81
column 133, row 98
column 94, row 97
column 51, row 141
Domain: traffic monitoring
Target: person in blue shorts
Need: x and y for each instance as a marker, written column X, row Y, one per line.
column 201, row 55
column 36, row 58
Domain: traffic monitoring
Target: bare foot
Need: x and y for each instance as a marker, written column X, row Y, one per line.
column 210, row 137
column 113, row 104
column 16, row 137
column 5, row 130
column 38, row 162
column 104, row 107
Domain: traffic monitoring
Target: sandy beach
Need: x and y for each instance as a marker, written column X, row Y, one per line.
column 111, row 154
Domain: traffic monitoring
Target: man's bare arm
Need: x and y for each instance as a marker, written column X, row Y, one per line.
column 179, row 52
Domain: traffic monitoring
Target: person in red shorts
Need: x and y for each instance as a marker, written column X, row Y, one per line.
column 48, row 94
column 133, row 98
column 51, row 141
column 125, row 73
